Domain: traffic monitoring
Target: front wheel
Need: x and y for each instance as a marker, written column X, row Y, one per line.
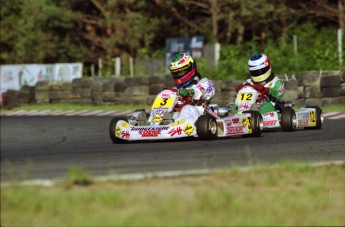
column 288, row 119
column 256, row 123
column 112, row 130
column 206, row 127
column 318, row 117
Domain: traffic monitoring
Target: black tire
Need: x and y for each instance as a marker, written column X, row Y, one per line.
column 112, row 130
column 318, row 114
column 206, row 127
column 288, row 119
column 256, row 123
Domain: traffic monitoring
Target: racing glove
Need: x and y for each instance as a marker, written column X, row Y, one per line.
column 185, row 92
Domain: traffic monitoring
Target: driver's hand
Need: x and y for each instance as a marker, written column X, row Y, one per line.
column 185, row 92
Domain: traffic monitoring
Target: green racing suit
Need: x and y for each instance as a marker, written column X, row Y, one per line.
column 276, row 92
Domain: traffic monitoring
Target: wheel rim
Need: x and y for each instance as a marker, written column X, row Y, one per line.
column 321, row 118
column 261, row 123
column 294, row 121
column 213, row 127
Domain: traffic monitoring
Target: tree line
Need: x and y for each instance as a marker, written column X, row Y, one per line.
column 50, row 31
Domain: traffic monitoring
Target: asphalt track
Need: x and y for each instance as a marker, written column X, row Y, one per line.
column 47, row 147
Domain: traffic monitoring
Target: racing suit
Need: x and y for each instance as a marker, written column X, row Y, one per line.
column 202, row 91
column 275, row 91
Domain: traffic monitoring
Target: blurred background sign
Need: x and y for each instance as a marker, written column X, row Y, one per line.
column 193, row 46
column 15, row 76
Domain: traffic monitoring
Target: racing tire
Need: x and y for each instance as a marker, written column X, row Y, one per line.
column 206, row 127
column 112, row 130
column 256, row 123
column 318, row 118
column 288, row 119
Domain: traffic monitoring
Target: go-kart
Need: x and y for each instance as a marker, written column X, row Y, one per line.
column 284, row 116
column 160, row 124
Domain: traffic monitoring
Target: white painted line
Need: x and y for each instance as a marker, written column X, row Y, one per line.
column 15, row 113
column 76, row 112
column 30, row 113
column 91, row 112
column 109, row 113
column 125, row 112
column 340, row 116
column 65, row 112
column 57, row 112
column 43, row 112
column 329, row 114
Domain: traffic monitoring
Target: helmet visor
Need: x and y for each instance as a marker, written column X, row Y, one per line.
column 176, row 73
column 259, row 72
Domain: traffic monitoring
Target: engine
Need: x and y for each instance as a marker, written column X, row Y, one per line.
column 221, row 111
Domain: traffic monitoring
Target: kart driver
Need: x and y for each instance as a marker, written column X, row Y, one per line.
column 264, row 81
column 189, row 84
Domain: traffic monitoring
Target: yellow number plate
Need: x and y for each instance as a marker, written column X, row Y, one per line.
column 163, row 102
column 245, row 97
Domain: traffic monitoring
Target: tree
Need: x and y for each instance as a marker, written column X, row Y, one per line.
column 328, row 10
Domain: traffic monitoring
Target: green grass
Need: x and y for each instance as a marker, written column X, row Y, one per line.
column 332, row 108
column 285, row 194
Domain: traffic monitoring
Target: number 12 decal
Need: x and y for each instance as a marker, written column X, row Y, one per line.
column 246, row 97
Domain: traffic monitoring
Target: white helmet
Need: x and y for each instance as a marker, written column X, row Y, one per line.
column 259, row 67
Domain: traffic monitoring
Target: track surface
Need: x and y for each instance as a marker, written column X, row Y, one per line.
column 47, row 147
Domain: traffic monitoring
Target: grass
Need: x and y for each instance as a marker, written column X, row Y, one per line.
column 332, row 108
column 285, row 194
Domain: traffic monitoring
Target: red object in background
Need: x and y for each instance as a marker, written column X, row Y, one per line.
column 3, row 99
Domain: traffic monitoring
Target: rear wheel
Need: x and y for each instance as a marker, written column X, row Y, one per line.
column 112, row 130
column 288, row 119
column 318, row 118
column 206, row 127
column 256, row 123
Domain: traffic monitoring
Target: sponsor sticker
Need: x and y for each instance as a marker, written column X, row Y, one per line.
column 166, row 95
column 125, row 134
column 312, row 118
column 303, row 122
column 177, row 122
column 125, row 124
column 270, row 122
column 175, row 131
column 243, row 106
column 152, row 133
column 235, row 120
column 235, row 130
column 157, row 118
column 149, row 128
column 118, row 131
column 271, row 114
column 246, row 122
column 188, row 129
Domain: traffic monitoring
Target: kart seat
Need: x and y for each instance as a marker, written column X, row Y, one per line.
column 167, row 119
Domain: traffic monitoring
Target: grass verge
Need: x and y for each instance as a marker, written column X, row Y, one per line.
column 285, row 194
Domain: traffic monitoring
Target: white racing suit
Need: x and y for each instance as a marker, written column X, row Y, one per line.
column 204, row 90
